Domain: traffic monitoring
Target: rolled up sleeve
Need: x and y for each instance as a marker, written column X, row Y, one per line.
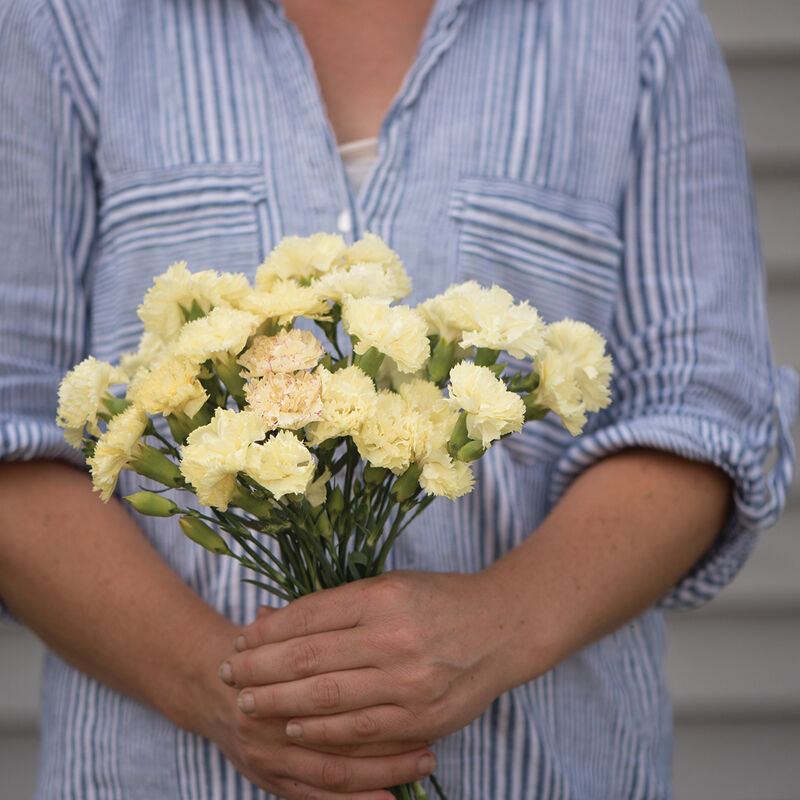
column 694, row 371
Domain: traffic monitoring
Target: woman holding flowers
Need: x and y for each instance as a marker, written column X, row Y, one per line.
column 583, row 155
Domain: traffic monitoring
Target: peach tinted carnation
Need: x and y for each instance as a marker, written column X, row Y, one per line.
column 286, row 400
column 287, row 351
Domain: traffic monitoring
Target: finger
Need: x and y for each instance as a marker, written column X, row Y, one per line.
column 298, row 658
column 295, row 790
column 344, row 774
column 360, row 750
column 374, row 724
column 331, row 693
column 327, row 610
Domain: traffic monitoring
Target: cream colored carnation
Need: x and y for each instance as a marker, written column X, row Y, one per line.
column 396, row 331
column 214, row 454
column 385, row 282
column 387, row 437
column 286, row 300
column 559, row 391
column 583, row 350
column 222, row 333
column 282, row 465
column 449, row 314
column 116, row 448
column 371, row 249
column 80, row 397
column 433, row 417
column 287, row 351
column 300, row 257
column 348, row 398
column 171, row 386
column 492, row 410
column 444, row 477
column 517, row 329
column 161, row 310
column 286, row 399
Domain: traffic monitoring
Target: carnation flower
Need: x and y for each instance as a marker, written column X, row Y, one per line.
column 396, row 331
column 492, row 410
column 582, row 348
column 348, row 398
column 222, row 333
column 445, row 477
column 517, row 329
column 151, row 349
column 215, row 453
column 385, row 282
column 169, row 387
column 299, row 257
column 116, row 448
column 285, row 399
column 432, row 416
column 176, row 290
column 287, row 351
column 386, row 437
column 80, row 397
column 559, row 391
column 371, row 249
column 285, row 300
column 282, row 465
column 449, row 314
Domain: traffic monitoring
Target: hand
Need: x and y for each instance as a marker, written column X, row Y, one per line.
column 261, row 751
column 404, row 657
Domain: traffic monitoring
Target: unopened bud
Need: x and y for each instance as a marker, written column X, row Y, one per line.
column 441, row 360
column 374, row 475
column 370, row 361
column 202, row 534
column 155, row 465
column 459, row 437
column 471, row 451
column 335, row 503
column 407, row 484
column 152, row 504
column 532, row 409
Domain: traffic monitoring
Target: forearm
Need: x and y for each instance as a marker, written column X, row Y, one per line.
column 81, row 575
column 624, row 533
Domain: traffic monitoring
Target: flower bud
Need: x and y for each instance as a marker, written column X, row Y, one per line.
column 335, row 503
column 441, row 360
column 486, row 356
column 374, row 475
column 155, row 465
column 202, row 534
column 471, row 451
column 407, row 484
column 152, row 504
column 228, row 372
column 532, row 409
column 323, row 525
column 459, row 437
column 262, row 509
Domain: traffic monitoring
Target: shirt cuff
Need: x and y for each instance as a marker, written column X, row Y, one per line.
column 741, row 451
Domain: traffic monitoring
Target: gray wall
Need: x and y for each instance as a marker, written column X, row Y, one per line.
column 734, row 666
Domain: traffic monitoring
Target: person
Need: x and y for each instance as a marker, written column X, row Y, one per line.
column 583, row 154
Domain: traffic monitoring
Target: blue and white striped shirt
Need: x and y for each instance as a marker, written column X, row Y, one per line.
column 584, row 154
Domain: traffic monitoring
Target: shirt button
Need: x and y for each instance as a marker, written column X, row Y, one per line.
column 344, row 222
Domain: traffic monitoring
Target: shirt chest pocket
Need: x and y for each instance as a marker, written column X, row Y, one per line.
column 211, row 216
column 560, row 253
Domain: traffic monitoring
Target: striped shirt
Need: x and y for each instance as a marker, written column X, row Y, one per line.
column 584, row 154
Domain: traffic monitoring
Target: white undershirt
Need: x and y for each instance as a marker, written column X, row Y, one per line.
column 358, row 157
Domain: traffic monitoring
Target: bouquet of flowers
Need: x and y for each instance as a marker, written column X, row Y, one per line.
column 310, row 454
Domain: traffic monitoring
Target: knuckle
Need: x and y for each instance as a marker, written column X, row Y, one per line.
column 304, row 659
column 326, row 693
column 334, row 774
column 366, row 724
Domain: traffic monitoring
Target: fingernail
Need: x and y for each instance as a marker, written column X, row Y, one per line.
column 240, row 644
column 226, row 673
column 427, row 764
column 247, row 703
column 294, row 730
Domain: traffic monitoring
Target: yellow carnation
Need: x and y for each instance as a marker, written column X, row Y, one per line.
column 222, row 333
column 386, row 437
column 348, row 398
column 299, row 257
column 389, row 282
column 433, row 416
column 170, row 387
column 80, row 397
column 215, row 453
column 286, row 300
column 285, row 399
column 582, row 348
column 492, row 410
column 396, row 331
column 371, row 249
column 177, row 289
column 559, row 391
column 151, row 349
column 116, row 448
column 517, row 329
column 454, row 311
column 287, row 351
column 444, row 477
column 282, row 465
